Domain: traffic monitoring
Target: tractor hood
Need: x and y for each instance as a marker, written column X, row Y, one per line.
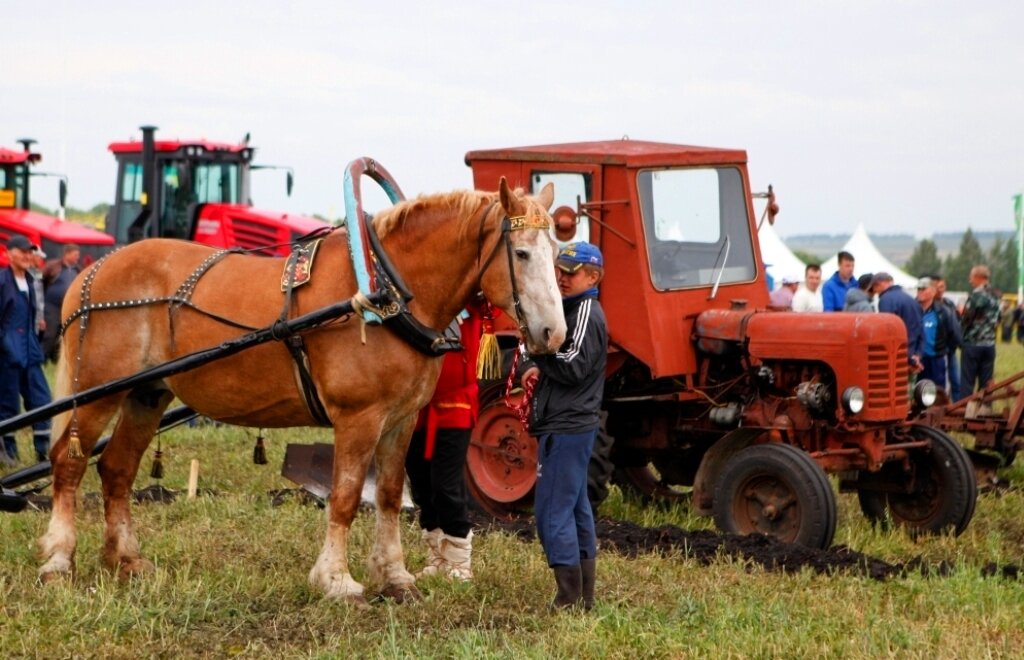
column 250, row 228
column 41, row 228
column 864, row 350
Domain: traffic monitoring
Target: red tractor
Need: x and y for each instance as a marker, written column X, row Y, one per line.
column 17, row 217
column 196, row 190
column 710, row 395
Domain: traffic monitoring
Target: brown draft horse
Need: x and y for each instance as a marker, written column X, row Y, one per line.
column 446, row 247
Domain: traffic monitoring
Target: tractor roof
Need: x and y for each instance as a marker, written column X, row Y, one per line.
column 8, row 156
column 135, row 146
column 634, row 153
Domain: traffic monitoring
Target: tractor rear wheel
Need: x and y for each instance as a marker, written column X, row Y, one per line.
column 779, row 491
column 937, row 493
column 501, row 464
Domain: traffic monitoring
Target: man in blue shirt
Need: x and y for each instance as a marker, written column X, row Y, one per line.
column 941, row 332
column 833, row 292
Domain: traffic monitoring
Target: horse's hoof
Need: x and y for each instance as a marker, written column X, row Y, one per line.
column 56, row 570
column 55, row 577
column 401, row 593
column 133, row 568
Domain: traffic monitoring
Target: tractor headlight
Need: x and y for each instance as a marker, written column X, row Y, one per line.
column 853, row 400
column 924, row 393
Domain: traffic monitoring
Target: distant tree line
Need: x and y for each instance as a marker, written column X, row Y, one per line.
column 1001, row 260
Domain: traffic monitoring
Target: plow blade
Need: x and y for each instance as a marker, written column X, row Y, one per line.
column 311, row 467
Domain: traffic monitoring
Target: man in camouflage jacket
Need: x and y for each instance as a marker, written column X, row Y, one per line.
column 980, row 317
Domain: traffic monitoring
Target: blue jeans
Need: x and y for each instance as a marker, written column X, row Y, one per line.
column 954, row 376
column 934, row 369
column 565, row 521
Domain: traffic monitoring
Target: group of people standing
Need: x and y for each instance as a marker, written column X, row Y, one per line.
column 31, row 294
column 936, row 327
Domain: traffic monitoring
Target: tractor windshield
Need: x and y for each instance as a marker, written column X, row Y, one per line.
column 697, row 229
column 12, row 186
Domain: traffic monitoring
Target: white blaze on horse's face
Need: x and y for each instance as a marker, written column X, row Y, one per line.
column 533, row 257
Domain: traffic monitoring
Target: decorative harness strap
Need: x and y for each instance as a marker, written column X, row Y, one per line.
column 301, row 257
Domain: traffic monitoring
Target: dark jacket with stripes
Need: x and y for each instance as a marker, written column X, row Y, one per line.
column 571, row 386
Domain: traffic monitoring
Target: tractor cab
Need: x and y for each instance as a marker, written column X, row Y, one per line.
column 195, row 190
column 674, row 223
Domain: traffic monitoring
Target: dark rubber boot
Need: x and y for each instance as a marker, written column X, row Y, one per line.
column 588, row 570
column 10, row 450
column 569, row 582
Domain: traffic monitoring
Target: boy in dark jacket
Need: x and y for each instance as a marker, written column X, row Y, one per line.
column 565, row 419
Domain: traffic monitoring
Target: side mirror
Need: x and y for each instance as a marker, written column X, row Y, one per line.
column 565, row 220
column 62, row 188
column 289, row 181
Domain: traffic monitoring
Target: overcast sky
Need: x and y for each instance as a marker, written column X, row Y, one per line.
column 906, row 116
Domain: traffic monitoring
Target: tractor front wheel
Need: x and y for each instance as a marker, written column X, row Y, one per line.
column 936, row 491
column 779, row 491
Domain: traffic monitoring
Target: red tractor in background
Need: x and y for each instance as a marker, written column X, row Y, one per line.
column 17, row 217
column 196, row 190
column 709, row 395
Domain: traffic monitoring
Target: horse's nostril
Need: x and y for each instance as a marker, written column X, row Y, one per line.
column 548, row 332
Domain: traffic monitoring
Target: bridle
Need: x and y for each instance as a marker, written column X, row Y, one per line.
column 509, row 224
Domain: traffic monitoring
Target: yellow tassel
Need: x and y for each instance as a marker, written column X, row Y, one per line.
column 75, row 447
column 488, row 359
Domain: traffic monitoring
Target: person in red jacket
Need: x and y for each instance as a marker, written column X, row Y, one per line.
column 437, row 456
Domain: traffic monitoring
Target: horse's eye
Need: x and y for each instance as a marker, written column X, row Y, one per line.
column 523, row 254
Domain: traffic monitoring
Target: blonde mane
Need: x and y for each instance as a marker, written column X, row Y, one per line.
column 463, row 202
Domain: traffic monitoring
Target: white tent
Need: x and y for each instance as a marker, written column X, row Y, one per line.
column 780, row 259
column 867, row 259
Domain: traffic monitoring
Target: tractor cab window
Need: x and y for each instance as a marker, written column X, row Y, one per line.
column 131, row 199
column 697, row 228
column 216, row 182
column 568, row 185
column 12, row 186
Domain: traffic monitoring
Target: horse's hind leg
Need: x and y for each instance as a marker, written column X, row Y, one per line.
column 386, row 561
column 57, row 545
column 140, row 417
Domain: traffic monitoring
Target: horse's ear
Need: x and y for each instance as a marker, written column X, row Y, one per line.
column 506, row 195
column 547, row 195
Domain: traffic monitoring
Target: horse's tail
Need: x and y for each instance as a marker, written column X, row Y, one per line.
column 61, row 390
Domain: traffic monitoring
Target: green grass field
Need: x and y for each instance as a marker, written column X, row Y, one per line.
column 231, row 581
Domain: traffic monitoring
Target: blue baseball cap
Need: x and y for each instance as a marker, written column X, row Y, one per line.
column 577, row 255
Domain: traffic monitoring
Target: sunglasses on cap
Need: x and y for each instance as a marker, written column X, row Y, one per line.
column 570, row 267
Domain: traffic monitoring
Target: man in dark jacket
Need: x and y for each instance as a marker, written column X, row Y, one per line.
column 57, row 277
column 893, row 299
column 565, row 419
column 940, row 330
column 20, row 354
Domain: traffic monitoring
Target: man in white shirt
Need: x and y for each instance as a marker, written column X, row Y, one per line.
column 808, row 297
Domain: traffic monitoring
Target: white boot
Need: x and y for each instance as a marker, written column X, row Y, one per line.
column 435, row 562
column 457, row 555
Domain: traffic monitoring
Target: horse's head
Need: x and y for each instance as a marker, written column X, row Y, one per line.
column 530, row 253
